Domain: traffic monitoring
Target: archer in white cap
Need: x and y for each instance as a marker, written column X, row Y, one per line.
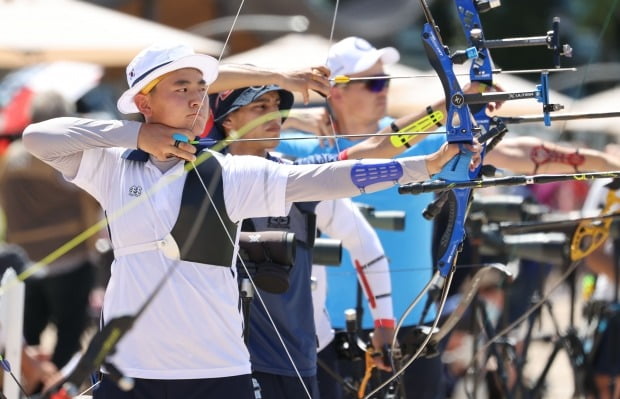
column 359, row 106
column 355, row 55
column 167, row 224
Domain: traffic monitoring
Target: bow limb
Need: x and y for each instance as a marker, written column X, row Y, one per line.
column 469, row 289
column 481, row 69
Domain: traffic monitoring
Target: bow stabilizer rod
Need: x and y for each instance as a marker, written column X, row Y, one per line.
column 436, row 186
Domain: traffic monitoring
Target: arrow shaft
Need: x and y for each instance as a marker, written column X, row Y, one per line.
column 346, row 79
column 559, row 117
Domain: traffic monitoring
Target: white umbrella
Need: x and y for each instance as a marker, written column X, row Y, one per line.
column 33, row 31
column 302, row 51
column 70, row 79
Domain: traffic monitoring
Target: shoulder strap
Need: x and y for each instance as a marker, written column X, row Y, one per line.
column 201, row 235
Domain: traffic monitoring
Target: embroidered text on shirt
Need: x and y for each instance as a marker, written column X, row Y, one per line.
column 135, row 191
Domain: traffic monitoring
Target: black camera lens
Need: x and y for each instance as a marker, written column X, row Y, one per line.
column 272, row 277
column 268, row 256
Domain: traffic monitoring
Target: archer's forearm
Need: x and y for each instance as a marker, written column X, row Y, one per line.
column 61, row 141
column 372, row 147
column 340, row 180
column 601, row 262
column 235, row 76
column 533, row 155
column 393, row 145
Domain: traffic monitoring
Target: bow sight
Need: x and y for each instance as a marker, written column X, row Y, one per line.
column 482, row 69
column 551, row 40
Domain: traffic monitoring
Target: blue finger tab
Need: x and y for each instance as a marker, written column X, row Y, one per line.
column 456, row 169
column 180, row 137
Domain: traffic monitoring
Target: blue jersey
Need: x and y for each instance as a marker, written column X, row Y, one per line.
column 292, row 310
column 408, row 251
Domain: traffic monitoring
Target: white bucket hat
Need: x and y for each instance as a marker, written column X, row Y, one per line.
column 158, row 60
column 354, row 54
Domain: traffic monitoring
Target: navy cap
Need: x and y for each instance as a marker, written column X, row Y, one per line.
column 225, row 102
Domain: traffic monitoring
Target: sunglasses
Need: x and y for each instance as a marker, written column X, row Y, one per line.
column 374, row 85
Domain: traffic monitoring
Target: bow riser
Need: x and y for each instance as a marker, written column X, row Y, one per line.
column 459, row 125
column 460, row 129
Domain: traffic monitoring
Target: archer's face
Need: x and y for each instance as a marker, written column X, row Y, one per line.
column 177, row 101
column 359, row 102
column 260, row 119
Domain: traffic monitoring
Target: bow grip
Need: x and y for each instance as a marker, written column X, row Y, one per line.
column 451, row 241
column 457, row 168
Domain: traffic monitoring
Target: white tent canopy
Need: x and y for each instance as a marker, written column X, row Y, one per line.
column 299, row 51
column 605, row 101
column 33, row 31
column 293, row 51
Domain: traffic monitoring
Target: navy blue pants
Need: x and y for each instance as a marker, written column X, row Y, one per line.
column 237, row 387
column 328, row 386
column 607, row 355
column 274, row 386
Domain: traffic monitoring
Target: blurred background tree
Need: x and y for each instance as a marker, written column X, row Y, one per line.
column 591, row 27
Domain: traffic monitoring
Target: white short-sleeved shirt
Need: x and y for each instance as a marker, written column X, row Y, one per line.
column 193, row 327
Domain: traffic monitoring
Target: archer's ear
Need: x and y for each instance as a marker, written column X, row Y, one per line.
column 227, row 124
column 142, row 102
